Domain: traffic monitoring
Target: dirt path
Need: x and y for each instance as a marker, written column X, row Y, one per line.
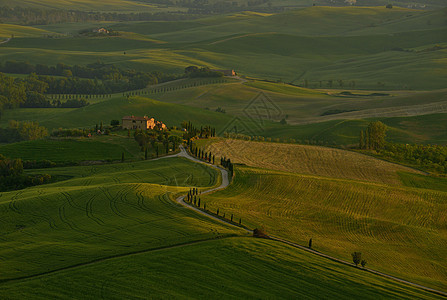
column 6, row 41
column 225, row 183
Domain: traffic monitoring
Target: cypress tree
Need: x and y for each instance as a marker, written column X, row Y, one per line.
column 122, row 156
column 362, row 140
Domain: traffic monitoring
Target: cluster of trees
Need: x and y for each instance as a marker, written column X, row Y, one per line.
column 193, row 132
column 12, row 177
column 429, row 157
column 30, row 92
column 373, row 138
column 95, row 78
column 156, row 141
column 36, row 16
column 22, row 131
column 195, row 72
column 226, row 163
column 357, row 259
column 193, row 198
column 201, row 154
column 71, row 132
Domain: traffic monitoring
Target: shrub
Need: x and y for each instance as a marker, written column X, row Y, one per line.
column 260, row 233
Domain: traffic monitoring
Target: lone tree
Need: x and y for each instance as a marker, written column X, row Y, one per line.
column 310, row 243
column 389, row 5
column 356, row 258
column 363, row 263
column 374, row 136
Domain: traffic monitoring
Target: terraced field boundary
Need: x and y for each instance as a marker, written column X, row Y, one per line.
column 112, row 257
column 225, row 184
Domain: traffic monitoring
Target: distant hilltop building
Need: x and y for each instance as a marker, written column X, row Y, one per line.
column 133, row 122
column 226, row 72
column 101, row 30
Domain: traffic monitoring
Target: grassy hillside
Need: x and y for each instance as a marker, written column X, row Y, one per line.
column 310, row 160
column 73, row 149
column 378, row 48
column 198, row 105
column 103, row 211
column 115, row 109
column 6, row 30
column 225, row 268
column 400, row 231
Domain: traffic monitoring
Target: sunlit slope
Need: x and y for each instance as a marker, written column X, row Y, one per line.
column 314, row 160
column 400, row 231
column 103, row 211
column 225, row 268
column 9, row 30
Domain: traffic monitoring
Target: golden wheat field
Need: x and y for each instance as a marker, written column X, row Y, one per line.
column 303, row 159
column 399, row 230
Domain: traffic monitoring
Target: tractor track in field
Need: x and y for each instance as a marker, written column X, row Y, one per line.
column 180, row 200
column 225, row 184
column 113, row 257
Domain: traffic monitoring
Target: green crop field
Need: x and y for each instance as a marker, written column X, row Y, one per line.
column 400, row 231
column 103, row 211
column 307, row 76
column 74, row 150
column 228, row 268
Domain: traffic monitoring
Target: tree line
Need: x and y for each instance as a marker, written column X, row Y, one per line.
column 429, row 157
column 13, row 178
column 156, row 141
column 193, row 198
column 195, row 72
column 22, row 131
column 95, row 78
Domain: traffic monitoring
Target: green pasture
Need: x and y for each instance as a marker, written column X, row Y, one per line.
column 73, row 150
column 226, row 268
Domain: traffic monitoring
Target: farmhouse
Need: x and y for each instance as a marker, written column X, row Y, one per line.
column 133, row 122
column 226, row 72
column 101, row 30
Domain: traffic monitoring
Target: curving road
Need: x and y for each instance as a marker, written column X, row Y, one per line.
column 225, row 183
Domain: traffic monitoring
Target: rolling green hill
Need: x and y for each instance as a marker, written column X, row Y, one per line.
column 378, row 48
column 103, row 211
column 400, row 231
column 227, row 268
column 73, row 150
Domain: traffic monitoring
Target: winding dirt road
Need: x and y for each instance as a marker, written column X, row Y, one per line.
column 225, row 183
